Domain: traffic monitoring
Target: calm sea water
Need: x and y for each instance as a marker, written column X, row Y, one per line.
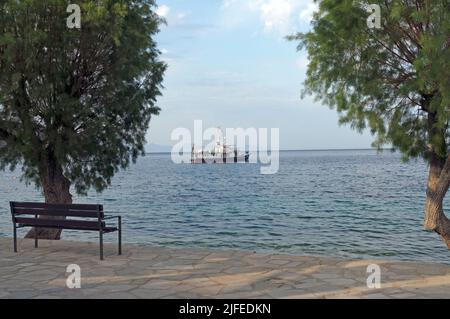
column 339, row 203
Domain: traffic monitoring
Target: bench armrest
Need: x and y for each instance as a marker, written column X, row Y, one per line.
column 112, row 216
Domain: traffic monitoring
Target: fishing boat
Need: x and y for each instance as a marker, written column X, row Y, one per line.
column 221, row 153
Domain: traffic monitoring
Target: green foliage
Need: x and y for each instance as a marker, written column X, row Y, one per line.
column 395, row 80
column 82, row 96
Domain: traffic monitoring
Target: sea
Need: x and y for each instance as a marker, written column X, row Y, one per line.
column 344, row 203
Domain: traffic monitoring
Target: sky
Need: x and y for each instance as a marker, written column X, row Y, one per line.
column 230, row 65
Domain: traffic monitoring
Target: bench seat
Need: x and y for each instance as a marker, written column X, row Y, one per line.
column 63, row 224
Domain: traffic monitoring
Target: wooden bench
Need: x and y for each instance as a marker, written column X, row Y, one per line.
column 87, row 217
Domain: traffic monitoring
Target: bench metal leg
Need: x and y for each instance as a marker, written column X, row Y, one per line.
column 120, row 235
column 15, row 237
column 36, row 236
column 101, row 245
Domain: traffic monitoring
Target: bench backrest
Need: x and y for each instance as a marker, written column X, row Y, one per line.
column 68, row 210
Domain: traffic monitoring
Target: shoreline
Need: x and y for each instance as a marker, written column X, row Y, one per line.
column 189, row 247
column 273, row 253
column 155, row 272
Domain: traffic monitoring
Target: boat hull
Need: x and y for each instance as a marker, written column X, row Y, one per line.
column 221, row 160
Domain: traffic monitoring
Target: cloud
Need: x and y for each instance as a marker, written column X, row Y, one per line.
column 306, row 14
column 228, row 3
column 275, row 14
column 172, row 17
column 282, row 16
column 163, row 11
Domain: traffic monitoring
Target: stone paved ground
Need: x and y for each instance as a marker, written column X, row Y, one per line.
column 151, row 272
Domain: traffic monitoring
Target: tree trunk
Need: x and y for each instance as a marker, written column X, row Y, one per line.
column 56, row 188
column 438, row 185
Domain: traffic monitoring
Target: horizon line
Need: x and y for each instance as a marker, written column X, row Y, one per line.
column 307, row 150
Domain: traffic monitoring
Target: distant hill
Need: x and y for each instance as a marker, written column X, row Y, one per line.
column 157, row 148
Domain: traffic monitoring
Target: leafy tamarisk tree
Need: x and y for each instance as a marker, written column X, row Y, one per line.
column 75, row 103
column 393, row 80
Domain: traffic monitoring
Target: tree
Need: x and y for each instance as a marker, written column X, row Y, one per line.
column 394, row 81
column 75, row 104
